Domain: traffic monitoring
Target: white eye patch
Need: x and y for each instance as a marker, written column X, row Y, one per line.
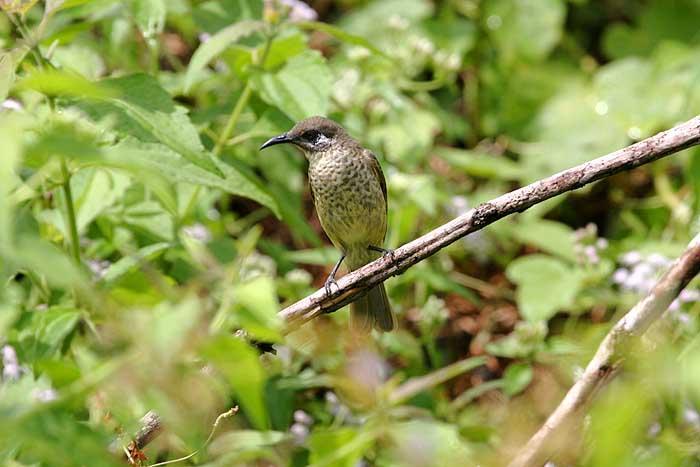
column 322, row 139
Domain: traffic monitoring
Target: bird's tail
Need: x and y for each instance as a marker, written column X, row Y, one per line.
column 372, row 310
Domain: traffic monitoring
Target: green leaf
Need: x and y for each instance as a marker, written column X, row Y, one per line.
column 257, row 309
column 549, row 236
column 213, row 15
column 246, row 441
column 156, row 158
column 150, row 16
column 38, row 256
column 440, row 443
column 241, row 366
column 527, row 29
column 516, row 378
column 300, row 89
column 363, row 21
column 341, row 447
column 129, row 263
column 172, row 326
column 545, row 285
column 524, row 341
column 94, row 191
column 217, row 44
column 63, row 83
column 146, row 111
column 7, row 74
column 44, row 336
column 11, row 130
column 341, row 35
column 481, row 165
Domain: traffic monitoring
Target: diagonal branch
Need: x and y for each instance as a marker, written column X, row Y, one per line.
column 357, row 282
column 607, row 359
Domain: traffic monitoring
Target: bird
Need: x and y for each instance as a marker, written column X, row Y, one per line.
column 349, row 192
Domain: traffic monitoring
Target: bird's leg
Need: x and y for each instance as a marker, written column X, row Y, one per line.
column 385, row 252
column 331, row 278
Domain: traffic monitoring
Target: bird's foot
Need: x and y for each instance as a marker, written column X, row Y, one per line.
column 384, row 251
column 330, row 282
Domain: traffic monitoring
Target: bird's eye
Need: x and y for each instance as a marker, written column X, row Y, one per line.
column 312, row 136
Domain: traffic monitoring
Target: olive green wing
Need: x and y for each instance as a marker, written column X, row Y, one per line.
column 377, row 170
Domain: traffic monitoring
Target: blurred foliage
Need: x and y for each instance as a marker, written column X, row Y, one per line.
column 146, row 246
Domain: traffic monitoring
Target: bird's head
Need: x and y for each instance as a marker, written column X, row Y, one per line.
column 312, row 135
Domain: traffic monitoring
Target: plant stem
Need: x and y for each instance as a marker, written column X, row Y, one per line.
column 70, row 213
column 233, row 119
column 241, row 103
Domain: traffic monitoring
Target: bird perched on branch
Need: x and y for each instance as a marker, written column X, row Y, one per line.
column 349, row 191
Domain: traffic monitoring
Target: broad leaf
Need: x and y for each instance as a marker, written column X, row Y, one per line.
column 145, row 110
column 300, row 89
column 524, row 29
column 257, row 309
column 545, row 285
column 217, row 44
column 159, row 159
column 129, row 263
column 241, row 366
column 516, row 378
column 150, row 16
column 341, row 35
column 549, row 236
column 7, row 74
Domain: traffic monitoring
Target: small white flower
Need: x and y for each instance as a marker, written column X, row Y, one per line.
column 654, row 430
column 44, row 395
column 453, row 62
column 690, row 415
column 423, row 45
column 658, row 260
column 302, row 417
column 11, row 104
column 299, row 11
column 631, row 258
column 198, row 232
column 10, row 364
column 683, row 318
column 398, row 22
column 299, row 276
column 591, row 254
column 99, row 267
column 601, row 243
column 299, row 432
column 689, row 296
column 358, row 53
column 620, row 276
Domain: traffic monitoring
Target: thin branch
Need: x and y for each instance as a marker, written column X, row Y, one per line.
column 419, row 384
column 151, row 427
column 357, row 282
column 229, row 413
column 608, row 359
column 71, row 222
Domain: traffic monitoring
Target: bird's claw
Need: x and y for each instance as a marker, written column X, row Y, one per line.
column 384, row 251
column 330, row 282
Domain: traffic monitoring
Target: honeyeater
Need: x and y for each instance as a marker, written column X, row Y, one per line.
column 349, row 191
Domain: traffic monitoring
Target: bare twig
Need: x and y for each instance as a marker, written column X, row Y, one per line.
column 607, row 359
column 150, row 429
column 229, row 413
column 357, row 282
column 418, row 384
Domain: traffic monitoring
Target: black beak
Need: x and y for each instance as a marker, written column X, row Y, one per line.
column 281, row 139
